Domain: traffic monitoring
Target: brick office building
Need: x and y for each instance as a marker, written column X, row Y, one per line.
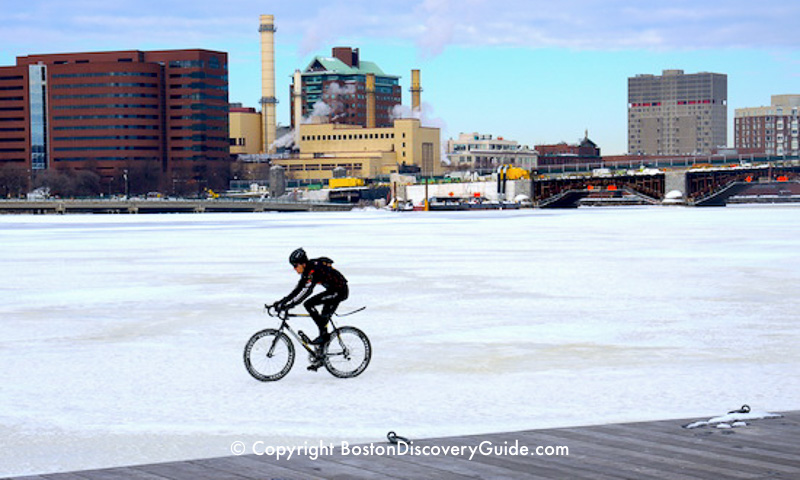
column 134, row 120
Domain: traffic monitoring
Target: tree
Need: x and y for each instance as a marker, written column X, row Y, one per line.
column 14, row 180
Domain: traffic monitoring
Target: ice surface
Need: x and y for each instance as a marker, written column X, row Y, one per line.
column 121, row 336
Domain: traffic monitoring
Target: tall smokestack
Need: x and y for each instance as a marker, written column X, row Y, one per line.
column 268, row 100
column 370, row 100
column 297, row 104
column 415, row 91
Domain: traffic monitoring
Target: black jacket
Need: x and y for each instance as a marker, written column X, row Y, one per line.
column 318, row 271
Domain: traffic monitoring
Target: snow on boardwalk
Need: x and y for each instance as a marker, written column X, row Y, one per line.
column 649, row 450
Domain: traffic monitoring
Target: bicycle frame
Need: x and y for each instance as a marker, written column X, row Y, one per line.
column 315, row 350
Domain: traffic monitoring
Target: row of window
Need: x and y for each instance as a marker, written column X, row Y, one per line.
column 311, row 167
column 105, row 95
column 201, row 75
column 108, row 127
column 199, row 106
column 199, row 148
column 126, row 147
column 199, row 86
column 104, row 85
column 105, row 74
column 112, row 159
column 103, row 117
column 198, row 116
column 213, row 63
column 198, row 138
column 110, row 137
column 114, row 105
column 200, row 96
column 359, row 136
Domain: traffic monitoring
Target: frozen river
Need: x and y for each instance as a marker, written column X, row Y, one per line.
column 121, row 336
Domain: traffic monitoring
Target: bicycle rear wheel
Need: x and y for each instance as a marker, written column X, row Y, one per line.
column 269, row 355
column 347, row 353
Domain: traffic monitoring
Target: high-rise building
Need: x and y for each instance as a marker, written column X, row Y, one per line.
column 119, row 113
column 343, row 88
column 677, row 113
column 771, row 130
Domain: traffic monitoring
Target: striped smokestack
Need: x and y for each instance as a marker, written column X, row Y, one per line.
column 370, row 87
column 268, row 100
column 415, row 91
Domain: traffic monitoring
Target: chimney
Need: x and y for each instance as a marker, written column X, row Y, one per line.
column 347, row 55
column 268, row 100
column 415, row 91
column 370, row 89
column 297, row 104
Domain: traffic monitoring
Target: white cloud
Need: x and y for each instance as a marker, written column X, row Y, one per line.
column 431, row 25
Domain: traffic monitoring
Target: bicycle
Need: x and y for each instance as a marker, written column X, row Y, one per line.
column 270, row 353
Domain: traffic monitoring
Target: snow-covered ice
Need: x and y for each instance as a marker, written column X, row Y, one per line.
column 121, row 337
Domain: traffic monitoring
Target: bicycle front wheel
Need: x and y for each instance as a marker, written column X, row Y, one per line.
column 347, row 353
column 269, row 355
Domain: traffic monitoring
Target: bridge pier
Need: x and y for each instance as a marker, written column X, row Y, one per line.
column 675, row 180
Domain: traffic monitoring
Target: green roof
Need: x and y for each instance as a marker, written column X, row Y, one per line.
column 334, row 65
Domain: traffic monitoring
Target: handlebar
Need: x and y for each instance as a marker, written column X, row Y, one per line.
column 274, row 312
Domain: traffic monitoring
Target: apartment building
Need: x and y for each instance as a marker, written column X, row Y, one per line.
column 676, row 113
column 771, row 130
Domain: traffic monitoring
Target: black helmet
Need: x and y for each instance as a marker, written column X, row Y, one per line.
column 297, row 257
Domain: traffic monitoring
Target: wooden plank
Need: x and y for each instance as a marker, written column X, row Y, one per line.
column 188, row 470
column 257, row 467
column 615, row 461
column 115, row 473
column 737, row 443
column 517, row 466
column 461, row 465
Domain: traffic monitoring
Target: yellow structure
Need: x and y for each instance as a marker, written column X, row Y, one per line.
column 245, row 131
column 415, row 91
column 363, row 152
column 516, row 173
column 268, row 100
column 345, row 182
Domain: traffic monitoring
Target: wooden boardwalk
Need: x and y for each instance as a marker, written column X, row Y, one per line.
column 764, row 449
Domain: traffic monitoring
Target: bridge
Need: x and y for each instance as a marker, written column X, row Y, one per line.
column 165, row 206
column 699, row 186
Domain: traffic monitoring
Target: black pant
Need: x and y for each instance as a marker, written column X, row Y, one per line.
column 329, row 299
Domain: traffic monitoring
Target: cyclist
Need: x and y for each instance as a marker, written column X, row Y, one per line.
column 318, row 271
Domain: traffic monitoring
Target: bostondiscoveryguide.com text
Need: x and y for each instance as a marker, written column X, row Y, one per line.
column 316, row 451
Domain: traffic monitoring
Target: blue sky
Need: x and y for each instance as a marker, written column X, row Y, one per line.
column 533, row 71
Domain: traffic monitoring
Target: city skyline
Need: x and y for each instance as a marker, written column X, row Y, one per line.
column 533, row 72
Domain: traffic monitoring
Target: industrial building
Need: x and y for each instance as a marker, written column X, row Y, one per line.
column 338, row 87
column 405, row 147
column 482, row 153
column 771, row 130
column 676, row 113
column 158, row 114
column 355, row 133
column 245, row 130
